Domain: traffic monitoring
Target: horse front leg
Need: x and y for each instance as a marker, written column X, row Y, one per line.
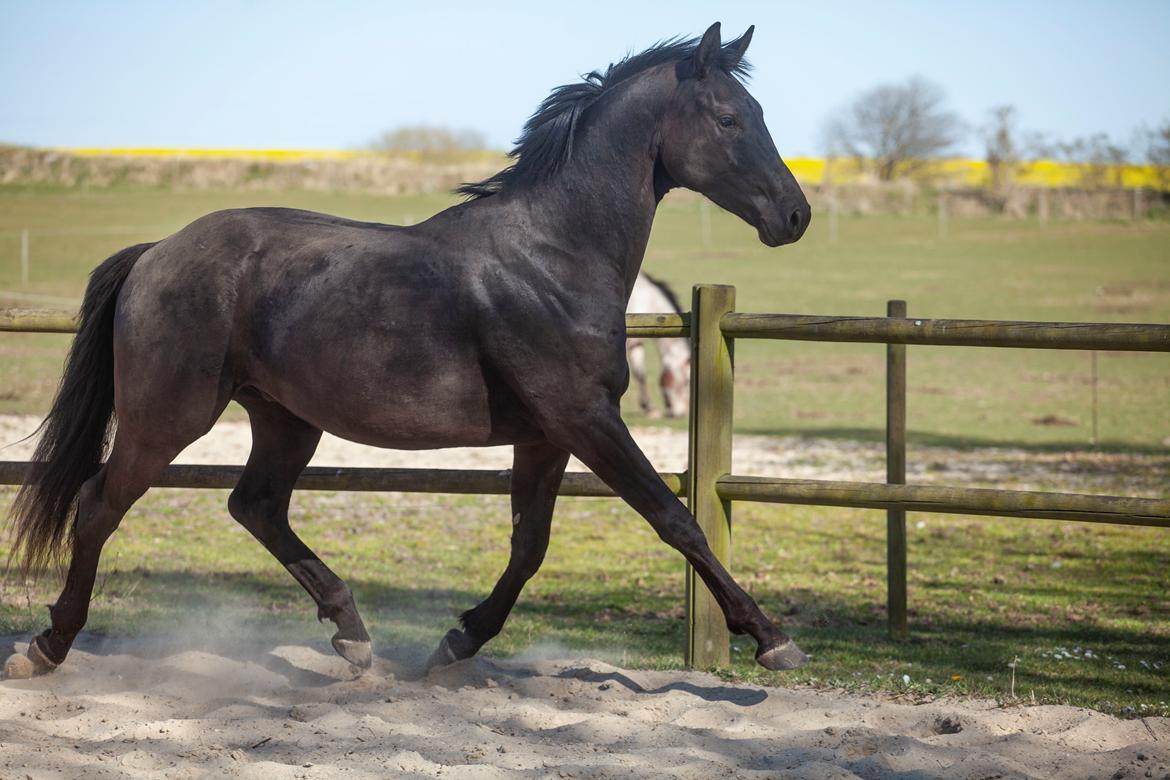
column 536, row 477
column 602, row 442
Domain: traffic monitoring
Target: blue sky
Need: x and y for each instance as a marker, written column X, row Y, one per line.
column 332, row 75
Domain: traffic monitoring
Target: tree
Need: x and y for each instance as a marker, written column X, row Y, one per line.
column 1158, row 152
column 1100, row 160
column 1001, row 146
column 898, row 127
column 430, row 141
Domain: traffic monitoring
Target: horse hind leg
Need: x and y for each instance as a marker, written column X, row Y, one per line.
column 536, row 476
column 282, row 446
column 103, row 501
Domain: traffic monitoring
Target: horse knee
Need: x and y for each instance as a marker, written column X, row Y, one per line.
column 679, row 529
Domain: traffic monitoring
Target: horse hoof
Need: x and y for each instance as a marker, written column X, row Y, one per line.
column 357, row 652
column 453, row 647
column 782, row 657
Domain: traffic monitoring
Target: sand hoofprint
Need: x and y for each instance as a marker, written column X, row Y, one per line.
column 135, row 709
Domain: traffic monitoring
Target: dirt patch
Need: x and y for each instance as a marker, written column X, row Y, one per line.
column 296, row 710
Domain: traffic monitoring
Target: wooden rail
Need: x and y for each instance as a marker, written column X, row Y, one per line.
column 657, row 326
column 1117, row 510
column 951, row 333
column 710, row 490
column 464, row 481
column 37, row 321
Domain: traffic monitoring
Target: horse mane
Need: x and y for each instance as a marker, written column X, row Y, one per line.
column 546, row 142
column 666, row 290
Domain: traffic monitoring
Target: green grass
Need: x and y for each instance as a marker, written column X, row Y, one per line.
column 983, row 592
column 985, row 268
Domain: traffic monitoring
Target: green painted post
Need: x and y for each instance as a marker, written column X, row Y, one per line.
column 709, row 458
column 896, row 475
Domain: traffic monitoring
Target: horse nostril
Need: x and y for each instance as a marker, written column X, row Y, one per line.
column 794, row 220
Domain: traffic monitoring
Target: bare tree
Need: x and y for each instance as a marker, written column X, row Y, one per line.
column 1158, row 152
column 1002, row 147
column 899, row 127
column 430, row 141
column 1101, row 161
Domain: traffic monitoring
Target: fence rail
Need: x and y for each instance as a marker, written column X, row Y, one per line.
column 951, row 333
column 712, row 326
column 37, row 321
column 466, row 481
column 1117, row 510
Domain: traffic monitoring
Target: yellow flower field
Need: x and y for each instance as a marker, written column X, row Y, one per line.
column 812, row 170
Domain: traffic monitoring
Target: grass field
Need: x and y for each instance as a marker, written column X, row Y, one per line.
column 983, row 592
column 992, row 269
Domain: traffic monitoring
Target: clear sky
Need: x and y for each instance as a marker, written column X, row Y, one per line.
column 335, row 74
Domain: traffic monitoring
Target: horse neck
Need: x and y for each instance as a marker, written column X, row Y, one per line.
column 603, row 201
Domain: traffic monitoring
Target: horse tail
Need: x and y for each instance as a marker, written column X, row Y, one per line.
column 77, row 430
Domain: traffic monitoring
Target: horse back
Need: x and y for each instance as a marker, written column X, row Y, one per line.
column 344, row 323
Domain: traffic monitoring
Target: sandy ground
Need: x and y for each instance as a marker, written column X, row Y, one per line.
column 187, row 707
column 293, row 711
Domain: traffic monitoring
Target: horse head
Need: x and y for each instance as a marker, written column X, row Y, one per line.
column 714, row 141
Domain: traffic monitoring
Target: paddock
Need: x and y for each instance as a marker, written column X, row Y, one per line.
column 248, row 710
column 224, row 697
column 713, row 325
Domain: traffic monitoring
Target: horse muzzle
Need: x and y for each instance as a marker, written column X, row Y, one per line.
column 784, row 225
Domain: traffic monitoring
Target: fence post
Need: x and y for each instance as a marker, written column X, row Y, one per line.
column 24, row 258
column 1093, row 380
column 709, row 457
column 705, row 222
column 896, row 475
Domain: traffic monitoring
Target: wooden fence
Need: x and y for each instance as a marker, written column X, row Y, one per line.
column 713, row 326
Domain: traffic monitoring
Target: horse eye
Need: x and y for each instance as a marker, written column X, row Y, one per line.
column 727, row 120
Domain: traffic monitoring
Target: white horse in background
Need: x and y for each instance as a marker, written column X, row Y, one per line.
column 652, row 296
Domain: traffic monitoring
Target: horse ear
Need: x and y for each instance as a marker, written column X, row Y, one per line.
column 735, row 50
column 708, row 52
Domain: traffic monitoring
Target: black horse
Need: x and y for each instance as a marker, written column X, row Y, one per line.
column 499, row 320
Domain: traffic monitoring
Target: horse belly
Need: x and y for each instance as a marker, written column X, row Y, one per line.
column 406, row 401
